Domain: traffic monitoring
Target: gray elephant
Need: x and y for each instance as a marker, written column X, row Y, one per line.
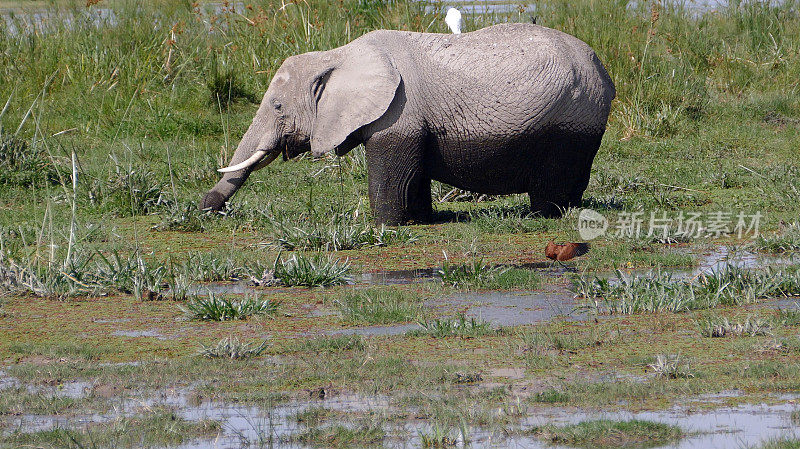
column 511, row 108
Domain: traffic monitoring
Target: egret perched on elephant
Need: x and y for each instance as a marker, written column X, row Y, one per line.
column 453, row 20
column 512, row 108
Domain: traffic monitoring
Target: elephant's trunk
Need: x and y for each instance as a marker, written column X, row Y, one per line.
column 255, row 151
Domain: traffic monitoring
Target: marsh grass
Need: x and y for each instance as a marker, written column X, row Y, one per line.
column 787, row 241
column 789, row 317
column 457, row 326
column 514, row 279
column 671, row 367
column 474, row 274
column 550, row 396
column 768, row 369
column 184, row 217
column 345, row 231
column 219, row 308
column 159, row 427
column 25, row 165
column 645, row 251
column 313, row 416
column 317, row 270
column 69, row 350
column 441, row 436
column 549, row 340
column 608, row 433
column 779, row 443
column 379, row 306
column 132, row 191
column 232, row 348
column 18, row 400
column 336, row 344
column 358, row 434
column 511, row 219
column 658, row 291
column 717, row 327
column 543, row 350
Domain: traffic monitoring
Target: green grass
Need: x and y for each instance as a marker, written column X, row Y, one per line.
column 788, row 241
column 607, row 433
column 18, row 400
column 345, row 231
column 658, row 291
column 780, row 443
column 713, row 326
column 219, row 308
column 318, row 270
column 157, row 428
column 477, row 275
column 456, row 326
column 341, row 436
column 790, row 316
column 671, row 367
column 379, row 306
column 232, row 348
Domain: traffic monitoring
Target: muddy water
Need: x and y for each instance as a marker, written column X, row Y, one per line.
column 275, row 424
column 515, row 308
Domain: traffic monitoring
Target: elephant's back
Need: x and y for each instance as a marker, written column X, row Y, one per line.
column 526, row 75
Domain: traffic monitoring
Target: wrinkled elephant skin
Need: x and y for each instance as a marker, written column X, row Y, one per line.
column 512, row 108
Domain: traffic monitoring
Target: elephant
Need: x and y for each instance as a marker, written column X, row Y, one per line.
column 511, row 108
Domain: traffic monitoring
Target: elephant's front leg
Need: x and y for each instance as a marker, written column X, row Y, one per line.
column 399, row 189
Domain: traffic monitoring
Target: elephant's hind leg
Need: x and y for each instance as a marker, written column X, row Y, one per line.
column 563, row 174
column 591, row 145
column 399, row 189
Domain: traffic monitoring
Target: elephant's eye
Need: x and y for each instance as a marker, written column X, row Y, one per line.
column 277, row 105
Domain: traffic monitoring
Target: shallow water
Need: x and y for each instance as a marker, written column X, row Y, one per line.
column 513, row 308
column 244, row 425
column 374, row 331
column 47, row 20
column 139, row 334
column 7, row 381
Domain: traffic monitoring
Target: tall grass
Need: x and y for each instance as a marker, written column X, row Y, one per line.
column 151, row 70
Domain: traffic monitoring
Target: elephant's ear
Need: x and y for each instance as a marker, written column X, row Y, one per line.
column 351, row 93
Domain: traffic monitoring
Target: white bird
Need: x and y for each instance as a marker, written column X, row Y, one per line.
column 453, row 20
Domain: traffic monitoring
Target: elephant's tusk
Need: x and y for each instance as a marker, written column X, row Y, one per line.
column 242, row 165
column 266, row 161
